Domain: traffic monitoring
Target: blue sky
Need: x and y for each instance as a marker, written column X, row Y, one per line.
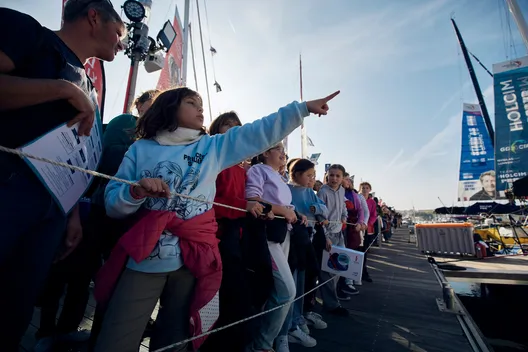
column 403, row 79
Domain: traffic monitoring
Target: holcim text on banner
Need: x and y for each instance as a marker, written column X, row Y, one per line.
column 510, row 81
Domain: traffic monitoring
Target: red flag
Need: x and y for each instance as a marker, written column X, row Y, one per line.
column 171, row 75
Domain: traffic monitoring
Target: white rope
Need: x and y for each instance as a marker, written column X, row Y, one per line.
column 241, row 321
column 112, row 178
column 254, row 316
column 131, row 183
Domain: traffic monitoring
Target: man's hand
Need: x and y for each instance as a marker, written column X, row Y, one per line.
column 74, row 233
column 80, row 101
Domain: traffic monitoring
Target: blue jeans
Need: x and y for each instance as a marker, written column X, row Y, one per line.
column 295, row 314
column 283, row 292
column 32, row 227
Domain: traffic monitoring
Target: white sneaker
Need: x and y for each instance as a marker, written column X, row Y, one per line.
column 281, row 344
column 298, row 336
column 305, row 329
column 315, row 320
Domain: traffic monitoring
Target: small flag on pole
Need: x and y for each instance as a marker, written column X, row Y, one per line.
column 218, row 87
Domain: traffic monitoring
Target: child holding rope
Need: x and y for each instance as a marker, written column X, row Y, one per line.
column 333, row 195
column 235, row 301
column 265, row 184
column 302, row 255
column 171, row 252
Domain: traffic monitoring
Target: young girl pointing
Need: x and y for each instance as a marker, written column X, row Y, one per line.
column 171, row 253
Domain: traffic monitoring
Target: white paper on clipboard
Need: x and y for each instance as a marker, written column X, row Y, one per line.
column 64, row 144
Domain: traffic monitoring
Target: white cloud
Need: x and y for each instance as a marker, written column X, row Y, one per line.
column 436, row 144
column 394, row 160
column 451, row 99
column 231, row 25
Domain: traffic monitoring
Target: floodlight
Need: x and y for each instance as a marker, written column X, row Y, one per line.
column 134, row 10
column 167, row 35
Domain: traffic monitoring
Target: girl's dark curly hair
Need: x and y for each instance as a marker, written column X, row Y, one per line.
column 162, row 115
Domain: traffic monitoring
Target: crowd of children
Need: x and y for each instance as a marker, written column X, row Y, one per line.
column 209, row 268
column 218, row 226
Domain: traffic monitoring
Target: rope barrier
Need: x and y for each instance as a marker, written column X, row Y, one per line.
column 131, row 183
column 240, row 321
column 174, row 194
column 253, row 316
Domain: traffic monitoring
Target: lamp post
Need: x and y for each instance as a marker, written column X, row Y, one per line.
column 137, row 48
column 141, row 47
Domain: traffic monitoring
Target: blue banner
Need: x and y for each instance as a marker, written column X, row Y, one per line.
column 510, row 83
column 477, row 176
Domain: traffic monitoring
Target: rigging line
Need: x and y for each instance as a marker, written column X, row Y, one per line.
column 209, row 37
column 204, row 63
column 207, row 21
column 512, row 41
column 503, row 13
column 481, row 64
column 121, row 86
column 192, row 56
column 168, row 9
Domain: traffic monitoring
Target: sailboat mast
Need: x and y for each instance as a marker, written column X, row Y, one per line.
column 304, row 139
column 519, row 20
column 300, row 76
column 476, row 86
column 186, row 37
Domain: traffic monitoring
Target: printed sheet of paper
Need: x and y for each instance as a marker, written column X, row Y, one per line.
column 65, row 145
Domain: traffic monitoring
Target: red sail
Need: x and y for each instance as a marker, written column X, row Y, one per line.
column 171, row 75
column 95, row 71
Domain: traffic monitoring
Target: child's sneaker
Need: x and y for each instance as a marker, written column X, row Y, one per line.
column 281, row 344
column 349, row 290
column 298, row 336
column 316, row 321
column 304, row 328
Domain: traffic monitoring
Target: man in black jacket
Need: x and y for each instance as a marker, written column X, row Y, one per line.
column 43, row 85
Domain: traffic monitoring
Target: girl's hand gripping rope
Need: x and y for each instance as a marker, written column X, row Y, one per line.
column 290, row 216
column 320, row 106
column 151, row 187
column 328, row 245
column 304, row 220
column 255, row 208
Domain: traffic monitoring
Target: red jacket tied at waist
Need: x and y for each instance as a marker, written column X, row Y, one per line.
column 199, row 249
